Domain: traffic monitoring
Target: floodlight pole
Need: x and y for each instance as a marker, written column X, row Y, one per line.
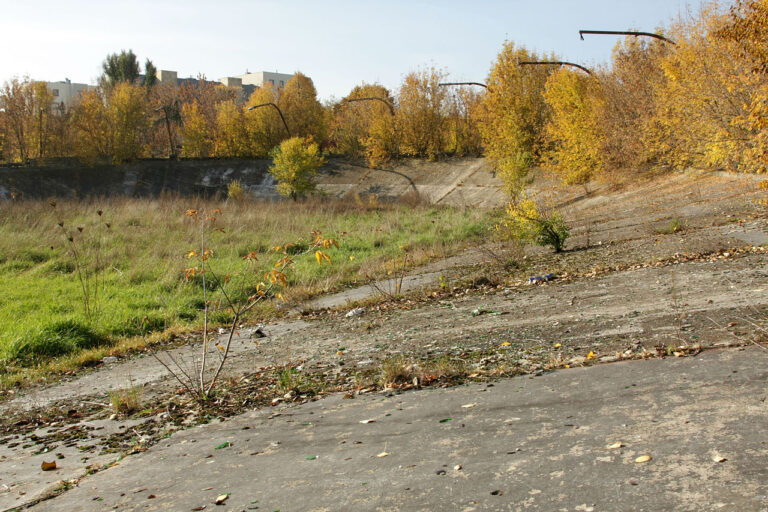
column 553, row 63
column 626, row 33
column 278, row 111
column 373, row 98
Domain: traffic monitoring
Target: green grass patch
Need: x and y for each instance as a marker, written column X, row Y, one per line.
column 136, row 264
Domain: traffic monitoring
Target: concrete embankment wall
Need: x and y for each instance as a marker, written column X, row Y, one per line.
column 147, row 178
column 464, row 181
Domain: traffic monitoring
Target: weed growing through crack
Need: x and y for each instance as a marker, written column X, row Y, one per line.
column 127, row 401
column 398, row 370
column 675, row 225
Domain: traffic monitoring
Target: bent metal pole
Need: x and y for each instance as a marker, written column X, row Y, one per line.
column 554, row 63
column 626, row 33
column 278, row 111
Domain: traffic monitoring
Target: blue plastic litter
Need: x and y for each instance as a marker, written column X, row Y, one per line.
column 542, row 279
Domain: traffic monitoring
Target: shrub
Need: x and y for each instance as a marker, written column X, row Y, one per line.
column 525, row 220
column 294, row 163
column 235, row 190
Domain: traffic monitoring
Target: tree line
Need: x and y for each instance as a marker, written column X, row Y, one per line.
column 698, row 101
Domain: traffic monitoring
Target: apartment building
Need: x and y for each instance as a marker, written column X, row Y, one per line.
column 66, row 92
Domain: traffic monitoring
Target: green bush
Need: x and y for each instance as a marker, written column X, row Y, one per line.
column 526, row 221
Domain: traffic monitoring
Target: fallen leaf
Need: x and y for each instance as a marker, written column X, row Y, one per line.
column 365, row 422
column 48, row 466
column 468, row 406
column 615, row 446
column 151, row 497
column 225, row 444
column 445, row 420
column 311, row 457
column 457, row 467
column 506, row 344
column 221, row 499
column 718, row 458
column 558, row 345
column 643, row 458
column 382, row 455
column 198, row 508
column 590, row 355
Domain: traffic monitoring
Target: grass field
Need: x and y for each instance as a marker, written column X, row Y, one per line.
column 133, row 268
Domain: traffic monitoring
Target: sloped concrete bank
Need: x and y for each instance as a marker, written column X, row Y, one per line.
column 463, row 182
column 148, row 178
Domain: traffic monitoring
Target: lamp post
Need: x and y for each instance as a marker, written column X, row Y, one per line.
column 278, row 111
column 626, row 33
column 554, row 63
column 170, row 111
column 463, row 83
column 373, row 98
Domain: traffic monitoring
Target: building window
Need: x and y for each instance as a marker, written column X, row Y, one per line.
column 282, row 83
column 55, row 92
column 272, row 82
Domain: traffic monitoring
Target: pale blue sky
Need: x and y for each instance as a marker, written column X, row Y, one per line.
column 338, row 43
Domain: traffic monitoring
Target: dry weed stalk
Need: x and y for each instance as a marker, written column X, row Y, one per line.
column 193, row 380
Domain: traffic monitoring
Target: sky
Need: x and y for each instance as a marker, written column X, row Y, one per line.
column 338, row 43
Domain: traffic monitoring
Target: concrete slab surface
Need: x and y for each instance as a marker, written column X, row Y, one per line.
column 524, row 443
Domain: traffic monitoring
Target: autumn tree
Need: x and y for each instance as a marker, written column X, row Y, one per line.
column 746, row 28
column 93, row 139
column 13, row 100
column 420, row 117
column 355, row 118
column 629, row 92
column 294, row 164
column 112, row 129
column 703, row 92
column 197, row 141
column 263, row 125
column 514, row 114
column 574, row 136
column 165, row 103
column 230, row 137
column 462, row 123
column 40, row 108
column 302, row 111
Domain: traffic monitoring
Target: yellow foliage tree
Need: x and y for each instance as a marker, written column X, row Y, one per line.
column 420, row 120
column 513, row 114
column 196, row 140
column 702, row 93
column 573, row 132
column 353, row 122
column 303, row 113
column 462, row 122
column 264, row 128
column 128, row 121
column 231, row 139
column 629, row 92
column 294, row 164
column 747, row 29
column 29, row 118
column 93, row 133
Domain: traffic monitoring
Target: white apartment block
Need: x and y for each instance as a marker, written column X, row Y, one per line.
column 264, row 78
column 248, row 81
column 66, row 92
